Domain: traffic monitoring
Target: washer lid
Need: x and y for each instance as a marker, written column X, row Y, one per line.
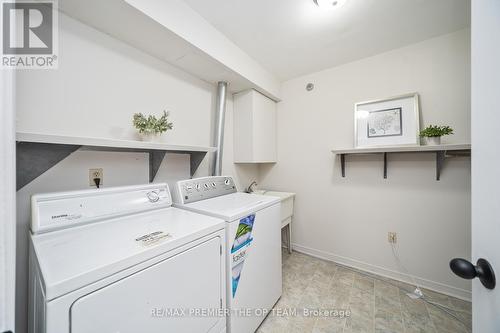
column 231, row 206
column 72, row 258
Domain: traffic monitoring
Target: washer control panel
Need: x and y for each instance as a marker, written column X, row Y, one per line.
column 197, row 189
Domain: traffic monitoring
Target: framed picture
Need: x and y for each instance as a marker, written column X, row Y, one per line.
column 387, row 122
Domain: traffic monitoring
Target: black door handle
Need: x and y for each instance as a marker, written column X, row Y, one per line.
column 467, row 270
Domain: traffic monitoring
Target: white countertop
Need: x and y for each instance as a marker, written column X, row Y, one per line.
column 282, row 195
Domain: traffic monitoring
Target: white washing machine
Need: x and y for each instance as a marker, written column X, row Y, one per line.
column 253, row 245
column 124, row 260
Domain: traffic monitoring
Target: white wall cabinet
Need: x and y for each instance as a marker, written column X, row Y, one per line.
column 254, row 128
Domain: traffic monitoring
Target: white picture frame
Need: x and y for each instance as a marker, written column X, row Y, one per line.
column 393, row 121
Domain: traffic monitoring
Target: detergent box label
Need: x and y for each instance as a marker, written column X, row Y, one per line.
column 240, row 249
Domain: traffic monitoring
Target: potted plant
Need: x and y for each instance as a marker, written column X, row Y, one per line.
column 150, row 127
column 433, row 134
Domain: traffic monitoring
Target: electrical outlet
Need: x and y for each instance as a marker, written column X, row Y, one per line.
column 392, row 237
column 95, row 173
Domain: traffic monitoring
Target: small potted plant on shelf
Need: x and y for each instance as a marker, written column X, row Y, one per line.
column 150, row 127
column 433, row 134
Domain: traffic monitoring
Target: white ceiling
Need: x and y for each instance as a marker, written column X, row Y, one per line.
column 295, row 37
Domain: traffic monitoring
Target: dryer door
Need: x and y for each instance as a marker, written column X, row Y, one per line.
column 158, row 298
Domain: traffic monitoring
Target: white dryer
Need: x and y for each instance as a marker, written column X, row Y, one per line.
column 124, row 260
column 253, row 245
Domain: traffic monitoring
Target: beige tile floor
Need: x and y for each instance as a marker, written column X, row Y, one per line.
column 374, row 303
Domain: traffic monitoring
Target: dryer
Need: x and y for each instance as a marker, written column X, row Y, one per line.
column 253, row 245
column 124, row 260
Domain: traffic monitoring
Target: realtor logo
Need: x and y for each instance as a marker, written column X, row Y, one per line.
column 29, row 34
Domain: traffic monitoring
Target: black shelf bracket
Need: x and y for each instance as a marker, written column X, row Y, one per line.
column 33, row 159
column 440, row 157
column 155, row 159
column 196, row 158
column 342, row 164
column 385, row 165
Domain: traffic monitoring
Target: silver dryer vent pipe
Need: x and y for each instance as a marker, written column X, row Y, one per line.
column 220, row 114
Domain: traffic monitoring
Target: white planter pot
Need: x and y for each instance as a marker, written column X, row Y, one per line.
column 433, row 140
column 151, row 137
column 154, row 137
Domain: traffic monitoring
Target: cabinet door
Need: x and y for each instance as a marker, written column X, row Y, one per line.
column 254, row 128
column 159, row 298
column 242, row 127
column 264, row 129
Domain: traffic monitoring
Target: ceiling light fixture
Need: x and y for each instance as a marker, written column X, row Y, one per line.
column 329, row 4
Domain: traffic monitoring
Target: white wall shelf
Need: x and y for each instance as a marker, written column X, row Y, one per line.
column 36, row 153
column 107, row 143
column 441, row 152
column 173, row 32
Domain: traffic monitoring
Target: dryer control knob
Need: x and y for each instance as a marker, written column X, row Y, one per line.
column 153, row 196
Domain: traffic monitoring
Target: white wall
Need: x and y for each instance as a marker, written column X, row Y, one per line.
column 347, row 219
column 188, row 24
column 7, row 201
column 100, row 83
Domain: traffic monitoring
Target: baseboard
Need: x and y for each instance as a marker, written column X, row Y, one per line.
column 429, row 284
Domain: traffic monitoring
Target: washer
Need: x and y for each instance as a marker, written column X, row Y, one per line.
column 253, row 245
column 124, row 260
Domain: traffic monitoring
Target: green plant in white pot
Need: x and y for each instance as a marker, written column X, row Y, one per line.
column 433, row 134
column 151, row 127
